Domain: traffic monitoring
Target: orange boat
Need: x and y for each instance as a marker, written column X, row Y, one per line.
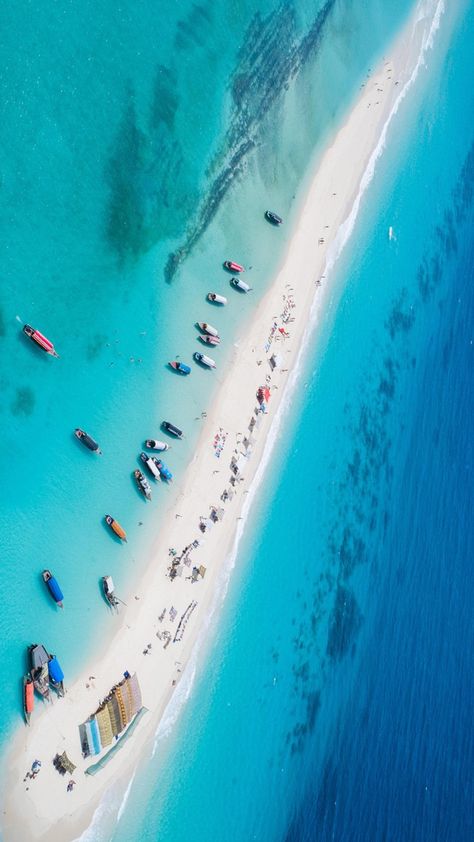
column 115, row 527
column 28, row 697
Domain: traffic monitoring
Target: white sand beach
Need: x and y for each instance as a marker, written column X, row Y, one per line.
column 42, row 808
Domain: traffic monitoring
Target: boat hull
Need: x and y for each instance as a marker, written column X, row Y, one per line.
column 233, row 267
column 116, row 528
column 87, row 440
column 172, row 429
column 28, row 697
column 204, row 360
column 214, row 298
column 155, row 444
column 39, row 339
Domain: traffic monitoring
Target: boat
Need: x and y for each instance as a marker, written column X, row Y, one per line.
column 172, row 429
column 238, row 283
column 164, row 471
column 216, row 299
column 155, row 444
column 151, row 464
column 86, row 439
column 28, row 697
column 56, row 675
column 204, row 360
column 181, row 368
column 212, row 331
column 233, row 267
column 52, row 584
column 39, row 660
column 209, row 340
column 109, row 588
column 273, row 217
column 40, row 340
column 143, row 484
column 116, row 528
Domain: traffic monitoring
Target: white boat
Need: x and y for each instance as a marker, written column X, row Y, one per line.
column 212, row 331
column 155, row 444
column 151, row 463
column 209, row 340
column 204, row 360
column 238, row 283
column 216, row 299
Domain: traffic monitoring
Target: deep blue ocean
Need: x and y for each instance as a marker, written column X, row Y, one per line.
column 337, row 705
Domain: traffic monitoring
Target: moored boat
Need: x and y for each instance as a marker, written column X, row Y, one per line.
column 204, row 360
column 238, row 283
column 215, row 298
column 40, row 340
column 151, row 463
column 109, row 592
column 181, row 368
column 233, row 267
column 116, row 528
column 52, row 584
column 56, row 675
column 209, row 340
column 172, row 429
column 39, row 660
column 28, row 697
column 155, row 444
column 87, row 440
column 212, row 331
column 273, row 217
column 164, row 471
column 143, row 484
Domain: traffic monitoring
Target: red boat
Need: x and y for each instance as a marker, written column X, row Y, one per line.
column 233, row 267
column 40, row 340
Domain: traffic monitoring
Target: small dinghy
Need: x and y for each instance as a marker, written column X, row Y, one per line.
column 143, row 484
column 56, row 675
column 273, row 217
column 40, row 340
column 238, row 283
column 216, row 299
column 151, row 462
column 109, row 592
column 211, row 331
column 204, row 360
column 87, row 440
column 28, row 697
column 164, row 471
column 116, row 528
column 172, row 429
column 209, row 340
column 233, row 267
column 181, row 368
column 155, row 444
column 53, row 587
column 39, row 660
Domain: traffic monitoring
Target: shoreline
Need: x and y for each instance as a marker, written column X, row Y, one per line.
column 46, row 808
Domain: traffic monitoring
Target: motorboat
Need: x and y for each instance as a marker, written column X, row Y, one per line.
column 238, row 283
column 212, row 331
column 164, row 471
column 172, row 429
column 143, row 484
column 87, row 440
column 216, row 299
column 109, row 592
column 233, row 267
column 56, row 675
column 28, row 697
column 155, row 444
column 151, row 462
column 209, row 340
column 181, row 368
column 116, row 528
column 39, row 660
column 52, row 584
column 41, row 340
column 204, row 360
column 273, row 217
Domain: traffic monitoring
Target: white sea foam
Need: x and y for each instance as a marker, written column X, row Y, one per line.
column 126, row 796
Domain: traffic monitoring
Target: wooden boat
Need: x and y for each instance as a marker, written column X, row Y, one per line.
column 238, row 283
column 56, row 675
column 151, row 462
column 211, row 331
column 40, row 340
column 28, row 697
column 143, row 484
column 164, row 471
column 181, row 368
column 109, row 592
column 216, row 299
column 273, row 217
column 155, row 444
column 116, row 528
column 209, row 340
column 87, row 440
column 204, row 360
column 172, row 429
column 53, row 587
column 233, row 267
column 39, row 660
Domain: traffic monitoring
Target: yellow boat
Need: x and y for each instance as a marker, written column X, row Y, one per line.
column 115, row 527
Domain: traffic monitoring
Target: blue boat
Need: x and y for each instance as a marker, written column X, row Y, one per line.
column 181, row 368
column 164, row 471
column 53, row 587
column 56, row 675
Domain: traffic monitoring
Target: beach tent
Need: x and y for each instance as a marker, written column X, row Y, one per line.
column 66, row 764
column 275, row 361
column 202, row 570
